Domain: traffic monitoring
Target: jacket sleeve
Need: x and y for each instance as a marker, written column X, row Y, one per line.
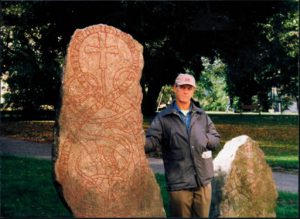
column 212, row 135
column 153, row 135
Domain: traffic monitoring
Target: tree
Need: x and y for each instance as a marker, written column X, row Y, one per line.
column 175, row 36
column 281, row 32
column 211, row 86
column 30, row 59
column 257, row 61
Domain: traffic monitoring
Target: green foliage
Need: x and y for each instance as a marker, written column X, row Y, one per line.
column 29, row 58
column 266, row 59
column 284, row 28
column 280, row 52
column 175, row 35
column 211, row 86
column 165, row 96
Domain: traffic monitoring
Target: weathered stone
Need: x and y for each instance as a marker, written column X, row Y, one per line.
column 243, row 184
column 100, row 161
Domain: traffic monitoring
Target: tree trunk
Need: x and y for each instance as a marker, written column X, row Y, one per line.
column 149, row 98
column 263, row 100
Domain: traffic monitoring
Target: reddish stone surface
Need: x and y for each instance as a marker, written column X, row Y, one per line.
column 101, row 164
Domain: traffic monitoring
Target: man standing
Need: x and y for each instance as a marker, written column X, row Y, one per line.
column 186, row 136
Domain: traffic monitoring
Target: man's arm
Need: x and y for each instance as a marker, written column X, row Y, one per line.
column 212, row 135
column 153, row 135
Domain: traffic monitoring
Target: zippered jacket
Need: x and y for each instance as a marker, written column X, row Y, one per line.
column 186, row 152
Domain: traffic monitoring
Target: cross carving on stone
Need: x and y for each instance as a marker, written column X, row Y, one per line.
column 103, row 50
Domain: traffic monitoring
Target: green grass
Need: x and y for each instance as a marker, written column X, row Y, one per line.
column 28, row 190
column 277, row 135
column 255, row 120
column 287, row 205
column 160, row 178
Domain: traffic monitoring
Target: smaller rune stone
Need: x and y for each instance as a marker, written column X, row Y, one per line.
column 243, row 183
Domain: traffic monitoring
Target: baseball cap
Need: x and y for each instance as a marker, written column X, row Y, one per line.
column 185, row 79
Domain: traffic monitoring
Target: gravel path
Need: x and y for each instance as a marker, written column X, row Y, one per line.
column 284, row 181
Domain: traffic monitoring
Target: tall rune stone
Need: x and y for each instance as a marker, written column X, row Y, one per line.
column 99, row 155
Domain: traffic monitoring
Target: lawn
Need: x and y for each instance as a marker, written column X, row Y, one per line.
column 28, row 190
column 277, row 135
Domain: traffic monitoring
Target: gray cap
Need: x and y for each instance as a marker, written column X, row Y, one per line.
column 185, row 79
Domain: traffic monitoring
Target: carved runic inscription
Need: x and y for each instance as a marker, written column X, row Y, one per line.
column 102, row 49
column 101, row 163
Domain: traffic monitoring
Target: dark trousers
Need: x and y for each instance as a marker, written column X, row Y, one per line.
column 191, row 203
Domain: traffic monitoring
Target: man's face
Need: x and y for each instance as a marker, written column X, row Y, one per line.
column 184, row 92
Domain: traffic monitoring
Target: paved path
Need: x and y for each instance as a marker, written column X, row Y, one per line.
column 284, row 181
